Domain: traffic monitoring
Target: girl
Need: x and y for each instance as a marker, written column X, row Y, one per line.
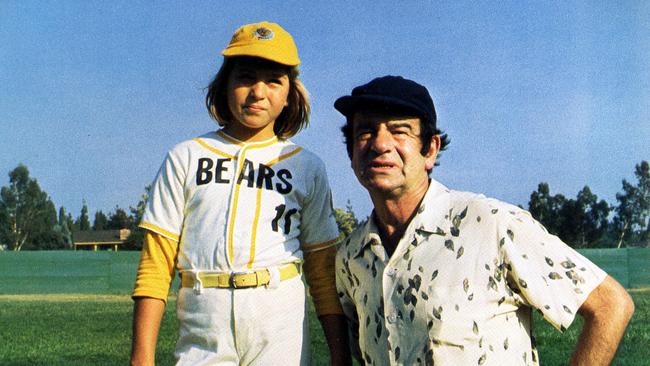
column 235, row 212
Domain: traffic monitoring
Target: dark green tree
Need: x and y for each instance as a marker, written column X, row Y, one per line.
column 135, row 241
column 65, row 227
column 83, row 222
column 545, row 208
column 598, row 234
column 48, row 239
column 27, row 215
column 101, row 221
column 119, row 219
column 580, row 222
column 633, row 210
column 583, row 220
column 345, row 220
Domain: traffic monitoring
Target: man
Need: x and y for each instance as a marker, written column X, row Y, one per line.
column 442, row 277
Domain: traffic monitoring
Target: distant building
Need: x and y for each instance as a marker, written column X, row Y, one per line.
column 100, row 238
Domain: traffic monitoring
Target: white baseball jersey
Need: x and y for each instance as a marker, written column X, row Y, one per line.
column 234, row 205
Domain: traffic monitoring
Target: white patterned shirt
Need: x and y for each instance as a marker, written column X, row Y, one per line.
column 461, row 285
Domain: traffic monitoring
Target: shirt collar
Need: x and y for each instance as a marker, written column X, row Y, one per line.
column 426, row 221
column 221, row 133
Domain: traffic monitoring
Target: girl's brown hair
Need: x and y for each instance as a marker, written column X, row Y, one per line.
column 294, row 117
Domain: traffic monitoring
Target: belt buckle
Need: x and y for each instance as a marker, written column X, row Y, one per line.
column 233, row 284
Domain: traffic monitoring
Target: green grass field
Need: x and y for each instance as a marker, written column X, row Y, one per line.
column 96, row 330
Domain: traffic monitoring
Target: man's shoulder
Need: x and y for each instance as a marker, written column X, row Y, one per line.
column 351, row 244
column 481, row 203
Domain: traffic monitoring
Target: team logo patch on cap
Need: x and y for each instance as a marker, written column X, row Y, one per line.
column 263, row 33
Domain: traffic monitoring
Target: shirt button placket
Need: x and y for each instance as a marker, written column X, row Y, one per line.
column 391, row 318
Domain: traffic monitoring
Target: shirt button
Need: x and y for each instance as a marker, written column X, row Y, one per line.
column 391, row 272
column 392, row 318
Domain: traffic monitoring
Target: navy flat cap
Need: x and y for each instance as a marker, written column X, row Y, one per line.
column 391, row 94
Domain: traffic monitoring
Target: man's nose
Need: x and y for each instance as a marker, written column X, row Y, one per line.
column 382, row 141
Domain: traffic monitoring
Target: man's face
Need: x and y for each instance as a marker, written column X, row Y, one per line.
column 386, row 154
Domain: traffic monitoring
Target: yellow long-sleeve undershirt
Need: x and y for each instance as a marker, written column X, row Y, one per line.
column 156, row 269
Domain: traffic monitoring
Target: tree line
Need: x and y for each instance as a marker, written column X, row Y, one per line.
column 29, row 219
column 587, row 222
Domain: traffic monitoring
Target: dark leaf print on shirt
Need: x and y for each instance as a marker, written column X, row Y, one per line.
column 460, row 252
column 574, row 276
column 413, row 288
column 456, row 221
column 568, row 264
column 420, row 231
column 449, row 244
column 415, row 282
column 437, row 313
column 501, row 300
column 434, row 275
column 492, row 285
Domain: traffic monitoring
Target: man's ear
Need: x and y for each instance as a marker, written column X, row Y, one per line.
column 432, row 154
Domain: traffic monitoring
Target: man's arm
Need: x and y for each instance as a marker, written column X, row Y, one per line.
column 606, row 312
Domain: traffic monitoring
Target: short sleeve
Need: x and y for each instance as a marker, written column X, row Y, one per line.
column 318, row 229
column 548, row 274
column 165, row 207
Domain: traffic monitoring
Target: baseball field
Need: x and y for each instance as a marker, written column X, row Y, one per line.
column 96, row 330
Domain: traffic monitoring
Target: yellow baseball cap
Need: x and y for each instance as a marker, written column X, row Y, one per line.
column 265, row 40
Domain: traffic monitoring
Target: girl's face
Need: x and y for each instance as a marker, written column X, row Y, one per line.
column 257, row 94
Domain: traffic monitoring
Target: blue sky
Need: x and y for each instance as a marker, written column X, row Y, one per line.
column 93, row 93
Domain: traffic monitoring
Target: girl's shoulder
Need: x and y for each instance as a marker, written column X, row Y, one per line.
column 300, row 152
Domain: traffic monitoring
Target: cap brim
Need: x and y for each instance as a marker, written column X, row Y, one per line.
column 261, row 52
column 349, row 104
